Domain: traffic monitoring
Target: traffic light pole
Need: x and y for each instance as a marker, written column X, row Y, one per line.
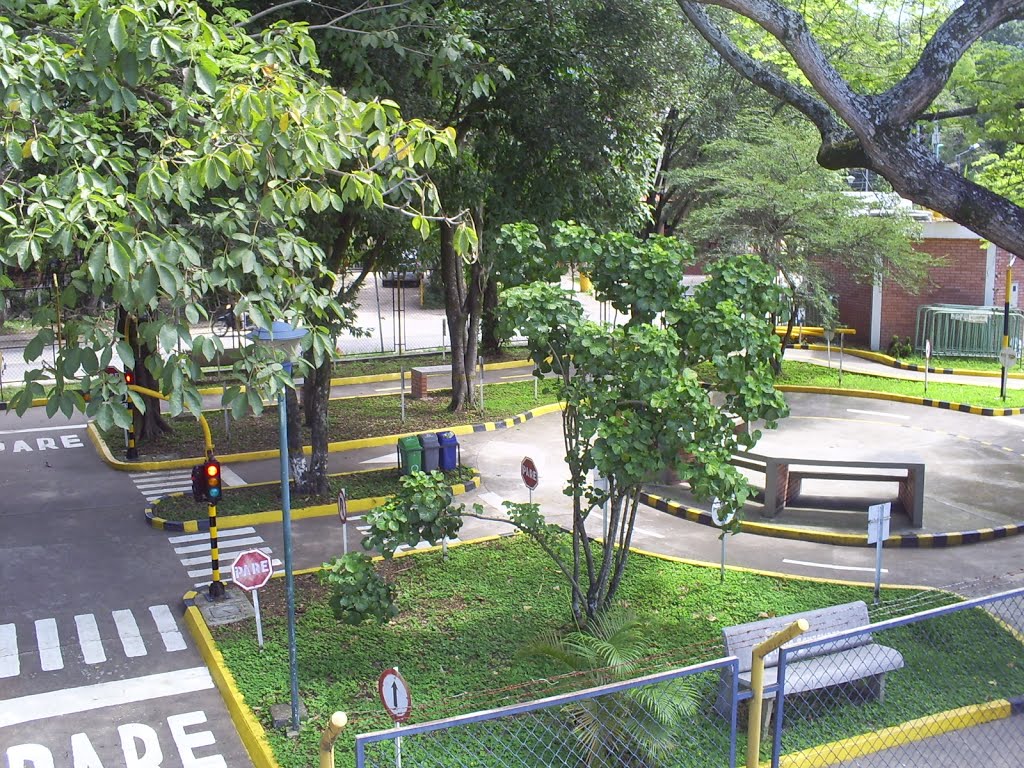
column 216, row 585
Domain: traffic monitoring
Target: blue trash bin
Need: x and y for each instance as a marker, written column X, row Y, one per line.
column 449, row 449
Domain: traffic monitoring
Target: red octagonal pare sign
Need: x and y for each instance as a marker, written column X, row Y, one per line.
column 252, row 569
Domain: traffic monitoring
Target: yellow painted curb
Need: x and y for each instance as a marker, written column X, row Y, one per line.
column 336, row 447
column 897, row 735
column 892, row 362
column 355, row 506
column 250, row 731
column 870, row 394
column 777, row 574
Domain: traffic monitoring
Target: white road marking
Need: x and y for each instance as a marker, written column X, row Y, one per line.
column 227, row 533
column 49, row 645
column 42, row 429
column 223, row 545
column 89, row 639
column 206, row 558
column 387, row 389
column 878, row 413
column 388, row 458
column 168, row 628
column 229, row 477
column 10, row 662
column 646, row 532
column 520, row 376
column 129, row 633
column 39, row 706
column 833, row 567
column 493, row 499
column 225, row 571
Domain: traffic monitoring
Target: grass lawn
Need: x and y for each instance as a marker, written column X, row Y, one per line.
column 462, row 623
column 982, row 395
column 267, row 496
column 349, row 418
column 392, row 364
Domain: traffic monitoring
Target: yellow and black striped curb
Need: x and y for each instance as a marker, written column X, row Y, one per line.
column 253, row 737
column 355, row 506
column 892, row 362
column 906, row 733
column 336, row 447
column 896, row 541
column 977, row 410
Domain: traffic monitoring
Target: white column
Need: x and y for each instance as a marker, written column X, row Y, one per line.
column 876, row 313
column 989, row 298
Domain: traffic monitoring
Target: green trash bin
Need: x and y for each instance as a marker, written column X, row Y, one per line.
column 410, row 455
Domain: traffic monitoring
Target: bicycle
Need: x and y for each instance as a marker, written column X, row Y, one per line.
column 224, row 322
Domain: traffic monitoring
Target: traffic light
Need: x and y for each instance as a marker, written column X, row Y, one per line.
column 213, row 488
column 199, row 482
column 206, row 481
column 129, row 377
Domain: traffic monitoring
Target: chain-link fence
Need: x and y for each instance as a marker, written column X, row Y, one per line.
column 900, row 681
column 871, row 696
column 661, row 719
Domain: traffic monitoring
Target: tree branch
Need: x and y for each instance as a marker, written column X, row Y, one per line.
column 814, row 109
column 911, row 96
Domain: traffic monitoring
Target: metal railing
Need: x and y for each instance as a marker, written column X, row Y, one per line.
column 661, row 719
column 961, row 665
column 966, row 331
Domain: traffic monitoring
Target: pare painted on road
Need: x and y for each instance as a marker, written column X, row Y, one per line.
column 140, row 747
column 32, row 445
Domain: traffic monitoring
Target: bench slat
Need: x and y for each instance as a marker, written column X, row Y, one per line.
column 833, row 669
column 429, row 369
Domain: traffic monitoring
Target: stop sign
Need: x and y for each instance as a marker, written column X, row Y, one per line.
column 252, row 569
column 528, row 471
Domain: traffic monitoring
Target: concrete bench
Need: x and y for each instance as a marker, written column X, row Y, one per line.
column 847, row 660
column 420, row 375
column 784, row 479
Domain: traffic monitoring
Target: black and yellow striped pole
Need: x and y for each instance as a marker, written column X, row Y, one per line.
column 211, row 472
column 1003, row 353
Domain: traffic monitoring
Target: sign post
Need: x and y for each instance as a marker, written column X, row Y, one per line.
column 397, row 701
column 927, row 362
column 721, row 519
column 343, row 516
column 878, row 532
column 829, row 335
column 251, row 570
column 528, row 471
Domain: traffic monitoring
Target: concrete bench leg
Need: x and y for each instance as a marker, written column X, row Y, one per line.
column 876, row 685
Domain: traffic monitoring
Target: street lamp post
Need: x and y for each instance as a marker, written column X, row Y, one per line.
column 956, row 160
column 286, row 338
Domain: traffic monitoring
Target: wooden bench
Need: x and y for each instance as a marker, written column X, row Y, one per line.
column 783, row 484
column 846, row 660
column 420, row 375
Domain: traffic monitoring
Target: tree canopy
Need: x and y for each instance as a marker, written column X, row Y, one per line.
column 159, row 159
column 869, row 116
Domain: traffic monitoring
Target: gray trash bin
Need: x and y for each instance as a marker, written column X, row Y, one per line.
column 431, row 451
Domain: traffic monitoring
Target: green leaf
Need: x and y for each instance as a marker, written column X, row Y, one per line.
column 206, row 75
column 118, row 33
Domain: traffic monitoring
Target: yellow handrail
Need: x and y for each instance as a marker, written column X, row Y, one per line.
column 338, row 721
column 207, row 437
column 798, row 627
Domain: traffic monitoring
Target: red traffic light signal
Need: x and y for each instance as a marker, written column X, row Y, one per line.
column 129, row 377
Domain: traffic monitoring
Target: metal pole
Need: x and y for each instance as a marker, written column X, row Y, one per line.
column 721, row 576
column 259, row 617
column 481, row 385
column 878, row 565
column 401, row 375
column 1006, row 325
column 842, row 337
column 286, row 519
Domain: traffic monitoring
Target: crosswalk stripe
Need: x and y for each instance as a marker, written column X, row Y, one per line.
column 168, row 628
column 128, row 631
column 224, row 545
column 49, row 645
column 10, row 663
column 227, row 533
column 206, row 558
column 225, row 573
column 89, row 639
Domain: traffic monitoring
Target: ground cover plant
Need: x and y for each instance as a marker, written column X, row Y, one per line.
column 983, row 395
column 351, row 418
column 264, row 497
column 463, row 622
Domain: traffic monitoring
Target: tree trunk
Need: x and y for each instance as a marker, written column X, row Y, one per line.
column 298, row 467
column 151, row 424
column 491, row 343
column 454, row 306
column 319, row 394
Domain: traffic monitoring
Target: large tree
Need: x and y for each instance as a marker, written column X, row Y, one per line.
column 160, row 159
column 872, row 122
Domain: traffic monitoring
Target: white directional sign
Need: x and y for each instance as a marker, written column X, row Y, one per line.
column 878, row 522
column 721, row 518
column 394, row 694
column 1007, row 357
